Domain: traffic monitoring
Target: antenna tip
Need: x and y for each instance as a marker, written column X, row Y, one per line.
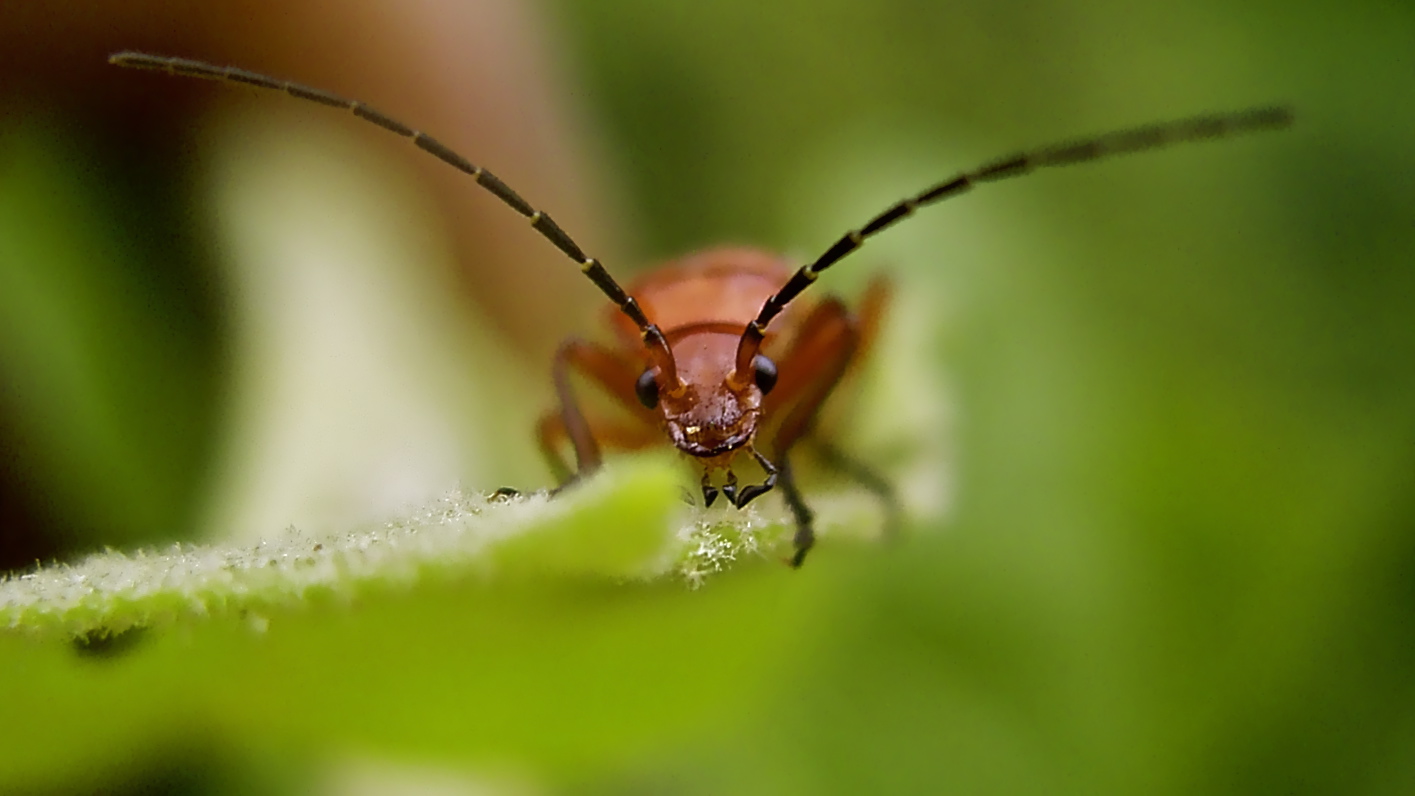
column 125, row 58
column 134, row 60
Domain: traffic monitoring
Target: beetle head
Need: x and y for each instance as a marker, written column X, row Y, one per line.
column 708, row 413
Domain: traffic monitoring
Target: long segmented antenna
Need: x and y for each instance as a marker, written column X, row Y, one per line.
column 540, row 222
column 1138, row 139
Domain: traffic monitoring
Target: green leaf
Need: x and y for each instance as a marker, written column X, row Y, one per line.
column 463, row 630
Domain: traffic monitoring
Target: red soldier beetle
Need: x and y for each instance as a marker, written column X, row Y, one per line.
column 701, row 360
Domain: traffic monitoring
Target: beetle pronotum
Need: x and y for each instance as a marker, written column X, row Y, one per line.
column 702, row 360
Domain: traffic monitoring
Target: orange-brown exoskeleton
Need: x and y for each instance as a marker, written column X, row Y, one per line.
column 716, row 389
column 715, row 356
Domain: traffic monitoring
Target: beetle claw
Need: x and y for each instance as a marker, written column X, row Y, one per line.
column 750, row 493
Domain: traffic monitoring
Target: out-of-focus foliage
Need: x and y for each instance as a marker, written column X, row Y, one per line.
column 1182, row 555
column 105, row 373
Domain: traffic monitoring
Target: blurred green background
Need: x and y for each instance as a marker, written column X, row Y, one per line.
column 1181, row 550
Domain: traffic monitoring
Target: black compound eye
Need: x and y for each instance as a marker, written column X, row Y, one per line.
column 647, row 389
column 765, row 373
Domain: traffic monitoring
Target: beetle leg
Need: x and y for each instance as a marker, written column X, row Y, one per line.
column 602, row 366
column 729, row 489
column 550, row 431
column 709, row 492
column 552, row 434
column 799, row 421
column 587, row 458
column 830, row 354
column 818, row 341
column 865, row 475
column 817, row 360
column 805, row 537
column 869, row 315
column 750, row 493
column 798, row 365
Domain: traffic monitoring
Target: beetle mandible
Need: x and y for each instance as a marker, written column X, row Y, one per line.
column 716, row 352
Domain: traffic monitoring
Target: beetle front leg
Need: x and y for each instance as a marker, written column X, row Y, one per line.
column 551, row 433
column 615, row 375
column 780, row 475
column 552, row 436
column 587, row 456
column 749, row 493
